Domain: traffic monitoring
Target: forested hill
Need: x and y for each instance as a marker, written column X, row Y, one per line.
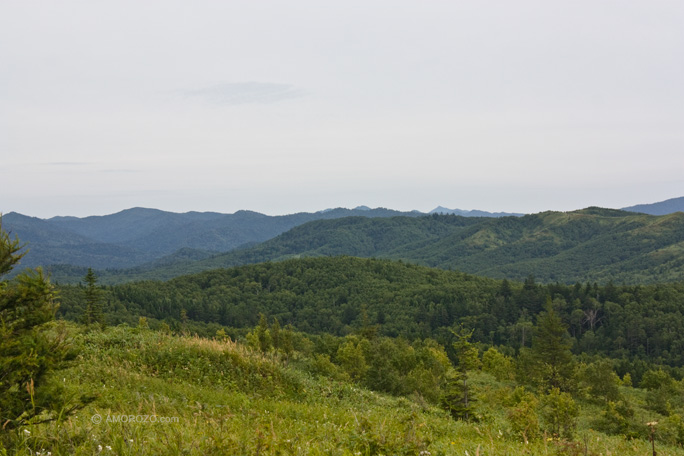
column 595, row 245
column 136, row 236
column 344, row 295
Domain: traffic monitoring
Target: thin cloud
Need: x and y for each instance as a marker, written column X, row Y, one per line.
column 118, row 171
column 239, row 93
column 68, row 163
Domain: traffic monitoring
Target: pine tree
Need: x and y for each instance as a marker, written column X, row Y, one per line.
column 551, row 352
column 458, row 398
column 30, row 346
column 93, row 299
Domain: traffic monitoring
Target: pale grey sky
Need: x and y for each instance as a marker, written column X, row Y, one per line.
column 282, row 107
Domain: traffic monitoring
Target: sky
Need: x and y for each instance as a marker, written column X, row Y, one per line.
column 283, row 107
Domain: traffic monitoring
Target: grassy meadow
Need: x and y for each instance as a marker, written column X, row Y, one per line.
column 182, row 395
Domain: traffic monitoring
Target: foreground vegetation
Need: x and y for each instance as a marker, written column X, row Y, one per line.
column 210, row 396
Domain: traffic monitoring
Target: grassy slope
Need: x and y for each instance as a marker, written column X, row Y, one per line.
column 230, row 400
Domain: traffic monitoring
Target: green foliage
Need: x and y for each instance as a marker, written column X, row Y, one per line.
column 143, row 325
column 671, row 429
column 601, row 381
column 31, row 346
column 263, row 335
column 351, row 358
column 498, row 364
column 664, row 393
column 559, row 412
column 523, row 416
column 616, row 418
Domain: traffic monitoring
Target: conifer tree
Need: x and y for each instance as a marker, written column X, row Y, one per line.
column 458, row 398
column 30, row 347
column 553, row 359
column 93, row 299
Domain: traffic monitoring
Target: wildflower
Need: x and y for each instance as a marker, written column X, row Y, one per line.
column 109, row 448
column 99, row 448
column 27, row 432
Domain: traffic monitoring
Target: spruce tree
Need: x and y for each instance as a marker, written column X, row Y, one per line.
column 93, row 299
column 458, row 398
column 554, row 364
column 30, row 345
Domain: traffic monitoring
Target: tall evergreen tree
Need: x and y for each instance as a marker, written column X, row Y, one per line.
column 30, row 348
column 93, row 299
column 551, row 352
column 458, row 398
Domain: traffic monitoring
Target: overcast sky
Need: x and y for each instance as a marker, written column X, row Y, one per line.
column 287, row 106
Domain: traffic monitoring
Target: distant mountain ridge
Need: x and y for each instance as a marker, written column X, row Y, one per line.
column 473, row 213
column 669, row 206
column 592, row 244
column 137, row 236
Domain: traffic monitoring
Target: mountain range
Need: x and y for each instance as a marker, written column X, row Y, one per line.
column 590, row 244
column 137, row 236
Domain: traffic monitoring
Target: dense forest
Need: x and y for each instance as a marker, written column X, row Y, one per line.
column 341, row 295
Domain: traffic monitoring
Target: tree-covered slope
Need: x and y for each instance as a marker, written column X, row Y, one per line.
column 342, row 295
column 588, row 245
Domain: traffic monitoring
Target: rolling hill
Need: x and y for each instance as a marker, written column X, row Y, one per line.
column 592, row 244
column 137, row 236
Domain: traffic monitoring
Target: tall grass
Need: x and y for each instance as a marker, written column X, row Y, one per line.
column 211, row 397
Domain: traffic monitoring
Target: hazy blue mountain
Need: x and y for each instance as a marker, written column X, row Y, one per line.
column 473, row 213
column 130, row 224
column 661, row 208
column 47, row 243
column 138, row 236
